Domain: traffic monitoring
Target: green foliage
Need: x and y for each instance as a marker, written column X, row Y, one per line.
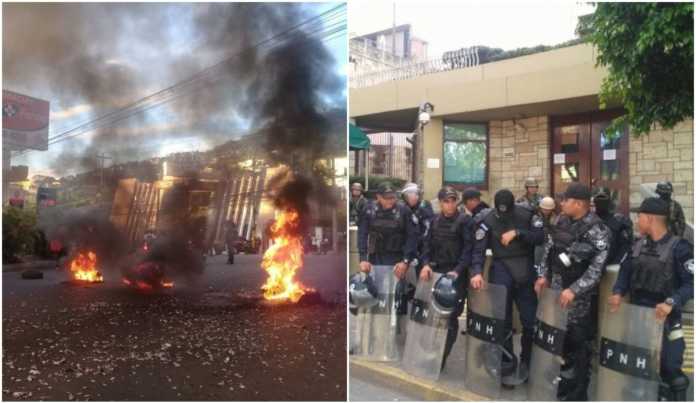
column 648, row 50
column 19, row 233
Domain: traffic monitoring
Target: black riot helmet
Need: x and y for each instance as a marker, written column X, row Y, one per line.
column 363, row 291
column 445, row 296
column 504, row 202
column 664, row 190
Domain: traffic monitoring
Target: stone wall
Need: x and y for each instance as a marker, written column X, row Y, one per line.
column 664, row 155
column 518, row 149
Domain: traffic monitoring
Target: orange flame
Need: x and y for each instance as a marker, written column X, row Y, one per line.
column 283, row 258
column 84, row 268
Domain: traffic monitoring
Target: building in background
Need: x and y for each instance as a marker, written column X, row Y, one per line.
column 390, row 156
column 536, row 115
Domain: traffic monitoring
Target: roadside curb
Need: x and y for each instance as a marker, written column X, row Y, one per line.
column 36, row 265
column 393, row 377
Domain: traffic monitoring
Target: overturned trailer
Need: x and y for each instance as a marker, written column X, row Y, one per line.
column 205, row 204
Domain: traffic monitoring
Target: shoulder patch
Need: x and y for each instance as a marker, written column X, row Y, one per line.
column 537, row 222
column 480, row 234
column 689, row 266
column 601, row 244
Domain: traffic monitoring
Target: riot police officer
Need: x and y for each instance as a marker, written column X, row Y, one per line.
column 531, row 196
column 511, row 231
column 677, row 222
column 358, row 202
column 471, row 202
column 574, row 259
column 422, row 210
column 447, row 250
column 621, row 227
column 660, row 273
column 387, row 233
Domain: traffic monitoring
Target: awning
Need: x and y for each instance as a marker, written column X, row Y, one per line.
column 358, row 140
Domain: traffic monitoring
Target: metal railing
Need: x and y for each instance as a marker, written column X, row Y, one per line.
column 454, row 60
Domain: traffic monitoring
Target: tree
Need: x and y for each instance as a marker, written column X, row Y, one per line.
column 648, row 50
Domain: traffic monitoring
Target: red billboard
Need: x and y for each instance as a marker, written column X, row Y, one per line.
column 24, row 122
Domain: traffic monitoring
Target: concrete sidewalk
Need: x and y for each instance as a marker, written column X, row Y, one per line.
column 397, row 379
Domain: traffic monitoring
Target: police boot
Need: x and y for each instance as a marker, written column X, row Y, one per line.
column 567, row 381
column 677, row 388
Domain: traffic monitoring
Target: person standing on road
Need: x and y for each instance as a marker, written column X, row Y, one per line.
column 471, row 202
column 621, row 227
column 531, row 197
column 358, row 202
column 511, row 231
column 677, row 222
column 447, row 250
column 231, row 236
column 574, row 259
column 421, row 210
column 387, row 233
column 659, row 274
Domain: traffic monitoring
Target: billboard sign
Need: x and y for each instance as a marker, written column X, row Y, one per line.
column 24, row 122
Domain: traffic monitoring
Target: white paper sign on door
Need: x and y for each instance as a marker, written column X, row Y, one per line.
column 609, row 155
column 558, row 159
column 433, row 163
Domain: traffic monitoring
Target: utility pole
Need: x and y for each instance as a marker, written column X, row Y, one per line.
column 102, row 157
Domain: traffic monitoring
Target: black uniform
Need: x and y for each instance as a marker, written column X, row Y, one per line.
column 447, row 247
column 357, row 206
column 423, row 212
column 677, row 222
column 621, row 229
column 512, row 265
column 656, row 271
column 387, row 237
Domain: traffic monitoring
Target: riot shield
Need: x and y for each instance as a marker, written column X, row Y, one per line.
column 426, row 334
column 379, row 325
column 485, row 330
column 630, row 342
column 549, row 334
column 454, row 372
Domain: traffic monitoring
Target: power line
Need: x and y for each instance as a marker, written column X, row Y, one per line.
column 338, row 12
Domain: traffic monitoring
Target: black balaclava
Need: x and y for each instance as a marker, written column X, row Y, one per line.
column 504, row 203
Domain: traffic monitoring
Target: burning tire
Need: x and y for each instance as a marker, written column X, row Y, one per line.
column 32, row 275
column 147, row 276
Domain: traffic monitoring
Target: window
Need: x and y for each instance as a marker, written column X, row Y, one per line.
column 465, row 155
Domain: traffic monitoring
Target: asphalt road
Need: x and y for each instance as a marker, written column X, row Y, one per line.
column 210, row 340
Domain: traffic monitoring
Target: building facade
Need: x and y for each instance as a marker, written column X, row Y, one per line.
column 495, row 124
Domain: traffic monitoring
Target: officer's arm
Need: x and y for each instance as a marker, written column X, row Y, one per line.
column 427, row 249
column 684, row 269
column 410, row 250
column 478, row 254
column 363, row 227
column 681, row 221
column 543, row 270
column 600, row 237
column 625, row 242
column 467, row 242
column 623, row 280
column 535, row 234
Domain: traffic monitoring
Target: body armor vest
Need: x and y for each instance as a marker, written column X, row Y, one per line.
column 652, row 275
column 520, row 219
column 446, row 241
column 515, row 256
column 615, row 224
column 386, row 231
column 565, row 234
